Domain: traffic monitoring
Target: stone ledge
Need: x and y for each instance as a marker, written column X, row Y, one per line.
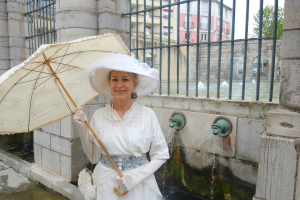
column 284, row 123
column 42, row 175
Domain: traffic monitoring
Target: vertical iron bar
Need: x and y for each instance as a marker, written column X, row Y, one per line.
column 178, row 48
column 152, row 28
column 32, row 21
column 232, row 49
column 54, row 20
column 51, row 33
column 160, row 49
column 274, row 49
column 220, row 47
column 144, row 53
column 44, row 22
column 169, row 49
column 197, row 51
column 245, row 49
column 259, row 48
column 137, row 29
column 40, row 29
column 130, row 26
column 47, row 22
column 35, row 24
column 28, row 27
column 188, row 48
column 208, row 47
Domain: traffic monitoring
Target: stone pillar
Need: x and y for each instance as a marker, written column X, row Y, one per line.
column 76, row 19
column 17, row 31
column 4, row 50
column 111, row 20
column 279, row 169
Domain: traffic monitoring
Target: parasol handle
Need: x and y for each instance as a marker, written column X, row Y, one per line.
column 98, row 140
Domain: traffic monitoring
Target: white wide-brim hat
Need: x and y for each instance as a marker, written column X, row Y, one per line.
column 98, row 72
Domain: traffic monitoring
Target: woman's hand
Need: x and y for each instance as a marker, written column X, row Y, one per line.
column 79, row 118
column 128, row 182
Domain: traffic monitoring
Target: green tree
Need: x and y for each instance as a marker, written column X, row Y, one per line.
column 268, row 22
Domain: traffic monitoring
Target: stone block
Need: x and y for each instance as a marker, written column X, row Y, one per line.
column 15, row 16
column 196, row 104
column 71, row 5
column 89, row 111
column 41, row 138
column 66, row 146
column 290, row 46
column 15, row 53
column 10, row 180
column 14, row 63
column 101, row 99
column 71, row 166
column 13, row 7
column 25, row 167
column 2, row 71
column 107, row 6
column 163, row 116
column 120, row 23
column 68, row 34
column 37, row 154
column 14, row 28
column 289, row 94
column 176, row 102
column 51, row 160
column 53, row 128
column 3, row 156
column 24, row 52
column 4, row 53
column 3, row 7
column 291, row 14
column 245, row 171
column 3, row 15
column 16, row 42
column 297, row 193
column 106, row 30
column 68, row 128
column 283, row 122
column 66, row 189
column 45, row 177
column 249, row 134
column 76, row 19
column 3, row 41
column 150, row 101
column 276, row 169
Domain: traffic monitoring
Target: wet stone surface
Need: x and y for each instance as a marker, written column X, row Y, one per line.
column 15, row 186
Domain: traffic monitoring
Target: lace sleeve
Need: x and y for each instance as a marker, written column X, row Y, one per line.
column 159, row 148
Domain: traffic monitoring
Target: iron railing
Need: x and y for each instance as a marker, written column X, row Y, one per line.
column 208, row 43
column 41, row 23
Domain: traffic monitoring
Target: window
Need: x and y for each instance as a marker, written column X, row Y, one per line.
column 226, row 13
column 166, row 13
column 205, row 6
column 219, row 9
column 190, row 22
column 165, row 30
column 204, row 23
column 204, row 37
column 226, row 27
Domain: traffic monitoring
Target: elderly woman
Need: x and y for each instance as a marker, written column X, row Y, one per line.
column 127, row 129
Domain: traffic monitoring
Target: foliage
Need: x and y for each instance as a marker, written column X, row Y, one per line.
column 268, row 22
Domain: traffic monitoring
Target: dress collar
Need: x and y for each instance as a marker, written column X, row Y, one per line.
column 114, row 114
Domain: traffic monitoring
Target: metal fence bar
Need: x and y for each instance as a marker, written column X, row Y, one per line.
column 169, row 48
column 245, row 49
column 51, row 34
column 54, row 23
column 40, row 28
column 152, row 35
column 28, row 27
column 160, row 46
column 232, row 49
column 261, row 7
column 208, row 48
column 197, row 50
column 130, row 32
column 274, row 49
column 137, row 29
column 220, row 47
column 178, row 41
column 187, row 48
column 44, row 23
column 34, row 27
column 144, row 52
column 47, row 22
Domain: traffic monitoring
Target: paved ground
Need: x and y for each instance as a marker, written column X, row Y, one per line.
column 15, row 186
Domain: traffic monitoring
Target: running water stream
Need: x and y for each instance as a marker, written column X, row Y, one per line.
column 215, row 147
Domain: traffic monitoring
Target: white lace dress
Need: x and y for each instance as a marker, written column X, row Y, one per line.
column 138, row 132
